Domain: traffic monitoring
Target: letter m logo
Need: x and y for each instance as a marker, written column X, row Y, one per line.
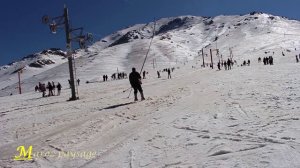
column 24, row 155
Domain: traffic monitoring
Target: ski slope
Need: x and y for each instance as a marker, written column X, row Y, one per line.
column 246, row 117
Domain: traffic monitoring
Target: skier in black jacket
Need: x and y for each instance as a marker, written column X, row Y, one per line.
column 135, row 81
column 58, row 88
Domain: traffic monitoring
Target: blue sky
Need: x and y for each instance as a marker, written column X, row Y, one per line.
column 22, row 32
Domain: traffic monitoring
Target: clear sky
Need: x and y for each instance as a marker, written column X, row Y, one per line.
column 22, row 32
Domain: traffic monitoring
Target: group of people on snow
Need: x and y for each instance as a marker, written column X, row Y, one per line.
column 227, row 64
column 168, row 70
column 78, row 82
column 268, row 60
column 121, row 75
column 42, row 87
column 105, row 78
column 246, row 63
column 135, row 77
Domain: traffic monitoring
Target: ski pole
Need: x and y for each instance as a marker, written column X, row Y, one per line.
column 129, row 93
column 126, row 90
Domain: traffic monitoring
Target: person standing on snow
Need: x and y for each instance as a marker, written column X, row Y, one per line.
column 169, row 73
column 69, row 83
column 135, row 81
column 43, row 89
column 229, row 64
column 58, row 88
column 36, row 88
column 50, row 88
column 53, row 85
column 144, row 74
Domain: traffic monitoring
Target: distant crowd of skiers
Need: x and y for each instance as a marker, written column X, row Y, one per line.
column 135, row 77
column 115, row 76
column 227, row 64
column 267, row 60
column 168, row 70
column 123, row 75
column 42, row 87
column 245, row 63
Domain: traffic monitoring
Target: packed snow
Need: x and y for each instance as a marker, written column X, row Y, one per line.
column 202, row 117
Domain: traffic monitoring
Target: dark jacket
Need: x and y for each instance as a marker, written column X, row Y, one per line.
column 135, row 79
column 50, row 87
column 58, row 86
column 43, row 88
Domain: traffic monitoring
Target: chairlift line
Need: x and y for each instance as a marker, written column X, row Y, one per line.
column 149, row 46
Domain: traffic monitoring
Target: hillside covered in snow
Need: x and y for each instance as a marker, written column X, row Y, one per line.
column 177, row 40
column 202, row 117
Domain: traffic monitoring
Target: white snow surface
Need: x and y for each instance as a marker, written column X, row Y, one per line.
column 245, row 117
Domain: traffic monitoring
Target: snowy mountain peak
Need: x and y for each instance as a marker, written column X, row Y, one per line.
column 54, row 51
column 168, row 25
column 42, row 58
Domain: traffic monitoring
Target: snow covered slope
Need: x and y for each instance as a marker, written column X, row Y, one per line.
column 246, row 117
column 177, row 39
